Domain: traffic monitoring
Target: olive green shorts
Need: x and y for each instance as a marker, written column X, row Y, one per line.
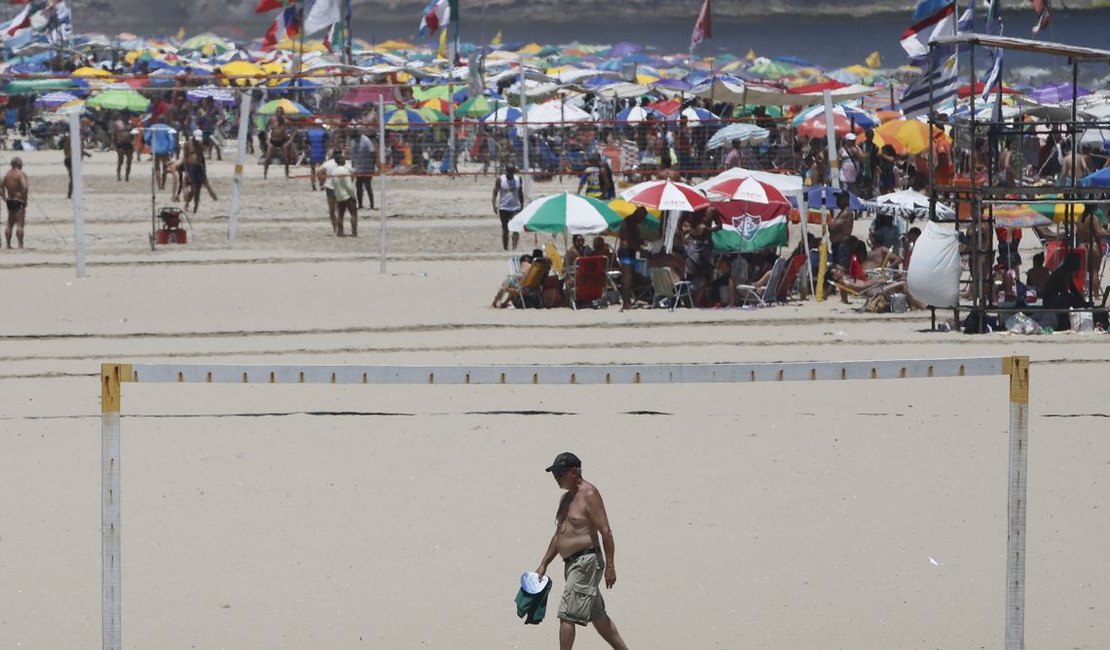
column 582, row 601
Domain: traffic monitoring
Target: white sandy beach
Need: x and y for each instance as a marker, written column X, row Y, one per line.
column 847, row 515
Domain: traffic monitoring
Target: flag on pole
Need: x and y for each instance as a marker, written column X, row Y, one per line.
column 20, row 22
column 915, row 40
column 703, row 28
column 269, row 5
column 59, row 22
column 496, row 39
column 334, row 40
column 1044, row 15
column 441, row 52
column 285, row 25
column 994, row 28
column 874, row 60
column 966, row 23
column 438, row 14
column 323, row 14
column 944, row 82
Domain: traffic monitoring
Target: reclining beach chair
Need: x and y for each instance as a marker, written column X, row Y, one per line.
column 531, row 286
column 763, row 296
column 790, row 277
column 589, row 280
column 669, row 289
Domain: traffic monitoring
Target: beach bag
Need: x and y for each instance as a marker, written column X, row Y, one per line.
column 934, row 274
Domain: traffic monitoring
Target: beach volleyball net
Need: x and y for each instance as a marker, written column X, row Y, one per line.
column 113, row 376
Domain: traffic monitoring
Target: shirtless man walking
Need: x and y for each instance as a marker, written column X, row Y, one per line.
column 14, row 189
column 124, row 144
column 579, row 522
column 281, row 138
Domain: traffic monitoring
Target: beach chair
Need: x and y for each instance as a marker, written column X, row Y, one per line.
column 552, row 253
column 790, row 277
column 531, row 286
column 668, row 289
column 589, row 280
column 763, row 296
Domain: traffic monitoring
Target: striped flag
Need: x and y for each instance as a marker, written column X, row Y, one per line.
column 942, row 79
column 284, row 25
column 21, row 21
column 438, row 13
column 915, row 40
column 994, row 28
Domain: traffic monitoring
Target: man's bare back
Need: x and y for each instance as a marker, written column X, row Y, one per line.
column 573, row 529
column 15, row 185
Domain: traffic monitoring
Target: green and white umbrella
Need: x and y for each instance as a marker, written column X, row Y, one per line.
column 576, row 214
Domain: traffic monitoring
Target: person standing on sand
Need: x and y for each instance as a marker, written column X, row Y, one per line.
column 508, row 200
column 14, row 190
column 579, row 522
column 343, row 185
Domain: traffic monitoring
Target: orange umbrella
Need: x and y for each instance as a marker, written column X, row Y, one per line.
column 910, row 136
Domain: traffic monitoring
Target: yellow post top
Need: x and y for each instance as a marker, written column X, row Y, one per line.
column 111, row 376
column 1018, row 370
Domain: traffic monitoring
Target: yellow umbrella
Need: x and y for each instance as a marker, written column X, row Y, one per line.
column 531, row 48
column 290, row 45
column 86, row 71
column 241, row 69
column 393, row 44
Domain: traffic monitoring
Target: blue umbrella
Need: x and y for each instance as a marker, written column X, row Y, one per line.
column 1101, row 178
column 638, row 114
column 404, row 119
column 824, row 196
column 55, row 99
column 747, row 134
column 505, row 114
column 695, row 115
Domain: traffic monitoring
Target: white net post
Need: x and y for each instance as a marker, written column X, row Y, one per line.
column 1015, row 517
column 110, row 513
column 240, row 158
column 76, row 149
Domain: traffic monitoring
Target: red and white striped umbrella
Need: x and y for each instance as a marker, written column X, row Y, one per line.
column 747, row 189
column 666, row 195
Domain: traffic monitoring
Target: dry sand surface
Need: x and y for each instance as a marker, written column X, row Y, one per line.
column 847, row 515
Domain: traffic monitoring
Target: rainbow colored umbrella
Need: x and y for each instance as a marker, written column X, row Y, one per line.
column 288, row 106
column 404, row 119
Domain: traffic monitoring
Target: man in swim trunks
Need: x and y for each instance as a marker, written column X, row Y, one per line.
column 280, row 136
column 579, row 522
column 123, row 142
column 195, row 170
column 14, row 190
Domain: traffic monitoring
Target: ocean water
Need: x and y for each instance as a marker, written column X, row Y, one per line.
column 830, row 42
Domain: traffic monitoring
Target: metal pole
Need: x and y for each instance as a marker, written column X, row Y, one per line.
column 451, row 137
column 76, row 149
column 830, row 135
column 240, row 158
column 381, row 175
column 979, row 300
column 347, row 36
column 111, row 599
column 1018, row 369
column 526, row 167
